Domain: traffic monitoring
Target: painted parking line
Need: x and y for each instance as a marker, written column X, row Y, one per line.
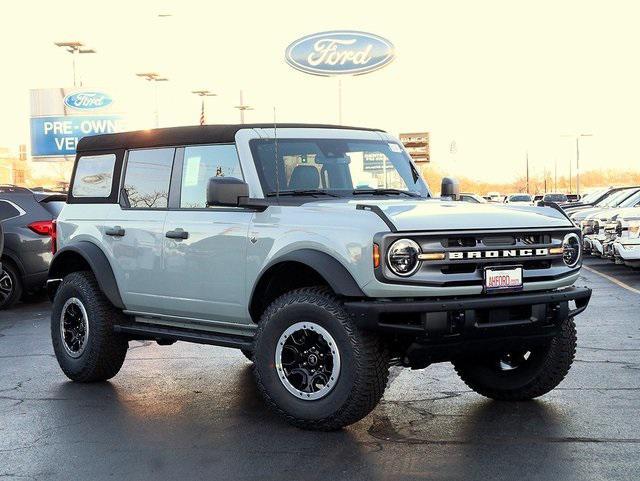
column 613, row 279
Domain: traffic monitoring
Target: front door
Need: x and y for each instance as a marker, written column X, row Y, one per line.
column 205, row 248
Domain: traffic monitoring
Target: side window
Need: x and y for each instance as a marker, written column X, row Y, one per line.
column 7, row 211
column 200, row 164
column 94, row 176
column 146, row 181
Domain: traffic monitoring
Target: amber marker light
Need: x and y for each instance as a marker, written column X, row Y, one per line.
column 556, row 250
column 376, row 256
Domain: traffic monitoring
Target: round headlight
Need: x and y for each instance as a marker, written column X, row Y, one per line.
column 572, row 248
column 402, row 257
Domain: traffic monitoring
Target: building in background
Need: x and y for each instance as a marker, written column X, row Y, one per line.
column 417, row 145
column 13, row 168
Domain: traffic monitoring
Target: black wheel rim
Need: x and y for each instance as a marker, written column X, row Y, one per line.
column 6, row 286
column 307, row 361
column 74, row 327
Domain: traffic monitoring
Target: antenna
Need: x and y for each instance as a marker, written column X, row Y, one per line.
column 275, row 144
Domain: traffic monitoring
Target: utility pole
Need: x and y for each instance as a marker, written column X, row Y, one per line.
column 242, row 107
column 202, row 94
column 577, row 137
column 527, row 155
column 154, row 77
column 555, row 175
column 75, row 49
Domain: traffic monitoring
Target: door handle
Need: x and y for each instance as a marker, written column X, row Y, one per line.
column 177, row 234
column 116, row 231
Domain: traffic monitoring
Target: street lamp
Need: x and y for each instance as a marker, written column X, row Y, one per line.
column 242, row 107
column 75, row 49
column 577, row 137
column 202, row 94
column 155, row 78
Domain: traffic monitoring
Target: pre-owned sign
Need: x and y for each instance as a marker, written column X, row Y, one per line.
column 58, row 136
column 61, row 117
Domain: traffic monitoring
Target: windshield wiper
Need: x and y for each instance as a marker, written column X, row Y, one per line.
column 384, row 192
column 302, row 192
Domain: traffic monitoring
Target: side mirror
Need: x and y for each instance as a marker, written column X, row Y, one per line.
column 450, row 188
column 226, row 191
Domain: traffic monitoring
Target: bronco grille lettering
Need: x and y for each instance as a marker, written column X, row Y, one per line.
column 543, row 251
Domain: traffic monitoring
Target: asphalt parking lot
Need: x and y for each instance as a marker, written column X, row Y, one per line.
column 192, row 412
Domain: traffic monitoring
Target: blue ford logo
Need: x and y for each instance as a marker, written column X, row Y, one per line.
column 339, row 53
column 88, row 100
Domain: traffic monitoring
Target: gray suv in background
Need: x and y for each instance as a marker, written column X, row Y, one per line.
column 27, row 220
column 321, row 253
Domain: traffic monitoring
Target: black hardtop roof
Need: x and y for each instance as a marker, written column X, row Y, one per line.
column 195, row 134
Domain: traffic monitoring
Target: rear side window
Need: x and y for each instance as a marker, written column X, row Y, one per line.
column 7, row 211
column 54, row 207
column 147, row 178
column 94, row 176
column 202, row 163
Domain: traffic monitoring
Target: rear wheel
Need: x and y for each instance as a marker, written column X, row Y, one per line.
column 82, row 319
column 521, row 374
column 10, row 285
column 313, row 365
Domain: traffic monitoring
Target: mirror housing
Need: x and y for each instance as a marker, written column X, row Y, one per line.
column 450, row 188
column 226, row 192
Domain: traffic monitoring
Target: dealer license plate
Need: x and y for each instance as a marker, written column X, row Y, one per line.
column 502, row 278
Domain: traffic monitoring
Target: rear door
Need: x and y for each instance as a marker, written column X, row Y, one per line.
column 134, row 234
column 204, row 272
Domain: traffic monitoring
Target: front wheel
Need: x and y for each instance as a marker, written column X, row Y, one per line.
column 521, row 374
column 313, row 365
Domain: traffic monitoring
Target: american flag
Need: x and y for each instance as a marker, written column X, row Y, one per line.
column 202, row 119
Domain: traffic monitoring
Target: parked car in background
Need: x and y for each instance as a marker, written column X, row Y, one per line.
column 626, row 246
column 473, row 198
column 26, row 218
column 521, row 199
column 618, row 196
column 494, row 197
column 573, row 197
column 594, row 199
column 555, row 197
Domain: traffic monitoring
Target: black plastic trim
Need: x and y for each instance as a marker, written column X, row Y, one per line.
column 380, row 213
column 332, row 271
column 98, row 263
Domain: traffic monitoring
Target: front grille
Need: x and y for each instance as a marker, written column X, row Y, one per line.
column 467, row 255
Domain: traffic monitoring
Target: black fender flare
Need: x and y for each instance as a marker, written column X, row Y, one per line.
column 331, row 270
column 97, row 261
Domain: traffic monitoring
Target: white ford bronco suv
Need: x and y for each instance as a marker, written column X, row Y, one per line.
column 318, row 251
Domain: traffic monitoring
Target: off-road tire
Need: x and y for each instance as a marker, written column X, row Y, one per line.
column 535, row 380
column 364, row 362
column 16, row 283
column 105, row 350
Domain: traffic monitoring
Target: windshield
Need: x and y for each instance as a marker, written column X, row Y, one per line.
column 520, row 198
column 615, row 198
column 592, row 196
column 337, row 166
column 555, row 198
column 631, row 201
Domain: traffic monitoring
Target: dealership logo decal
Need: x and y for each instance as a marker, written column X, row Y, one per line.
column 88, row 100
column 501, row 253
column 339, row 53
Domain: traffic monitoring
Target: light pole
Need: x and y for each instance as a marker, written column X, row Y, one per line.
column 202, row 94
column 242, row 107
column 155, row 78
column 75, row 49
column 577, row 137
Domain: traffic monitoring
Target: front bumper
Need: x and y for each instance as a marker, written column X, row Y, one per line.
column 497, row 314
column 629, row 252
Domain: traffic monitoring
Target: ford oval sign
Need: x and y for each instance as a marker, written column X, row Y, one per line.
column 88, row 100
column 340, row 53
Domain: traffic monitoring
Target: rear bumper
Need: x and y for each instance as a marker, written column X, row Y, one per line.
column 485, row 316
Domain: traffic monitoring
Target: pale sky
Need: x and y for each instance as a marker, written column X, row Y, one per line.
column 497, row 77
